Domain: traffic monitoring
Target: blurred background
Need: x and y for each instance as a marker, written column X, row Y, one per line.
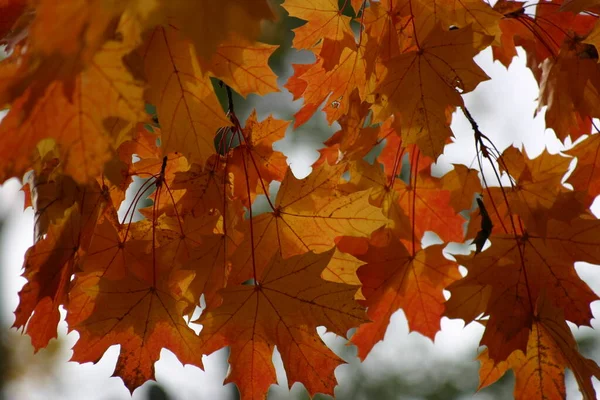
column 403, row 366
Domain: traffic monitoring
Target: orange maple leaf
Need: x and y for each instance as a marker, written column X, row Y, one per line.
column 392, row 155
column 335, row 86
column 50, row 263
column 353, row 141
column 82, row 80
column 385, row 25
column 282, row 308
column 76, row 122
column 536, row 192
column 48, row 267
column 307, row 215
column 243, row 65
column 324, row 23
column 463, row 183
column 584, row 178
column 203, row 189
column 580, row 5
column 437, row 72
column 141, row 310
column 394, row 279
column 428, row 206
column 188, row 109
column 210, row 263
column 254, row 164
column 204, row 22
column 365, row 176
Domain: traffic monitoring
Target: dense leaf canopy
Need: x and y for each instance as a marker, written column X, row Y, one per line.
column 102, row 92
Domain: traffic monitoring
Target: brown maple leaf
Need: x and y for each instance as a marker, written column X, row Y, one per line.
column 574, row 74
column 505, row 281
column 540, row 369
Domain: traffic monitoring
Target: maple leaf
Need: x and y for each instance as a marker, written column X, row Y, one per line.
column 513, row 29
column 50, row 194
column 210, row 263
column 343, row 267
column 463, row 183
column 242, row 65
column 135, row 141
column 204, row 188
column 188, row 109
column 325, row 22
column 437, row 72
column 140, row 310
column 81, row 84
column 204, row 22
column 353, row 141
column 584, row 177
column 55, row 43
column 573, row 74
column 295, row 84
column 403, row 22
column 480, row 15
column 365, row 176
column 540, row 369
column 254, row 164
column 110, row 251
column 105, row 89
column 335, row 85
column 576, row 6
column 423, row 199
column 48, row 268
column 506, row 280
column 392, row 278
column 537, row 193
column 392, row 154
column 427, row 203
column 385, row 26
column 50, row 263
column 282, row 308
column 73, row 27
column 162, row 173
column 308, row 215
column 543, row 34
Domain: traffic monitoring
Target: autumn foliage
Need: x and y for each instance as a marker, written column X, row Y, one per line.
column 103, row 93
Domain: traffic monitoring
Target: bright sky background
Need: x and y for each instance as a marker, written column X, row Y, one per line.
column 503, row 107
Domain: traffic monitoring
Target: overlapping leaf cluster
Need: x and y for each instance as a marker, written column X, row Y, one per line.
column 341, row 248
